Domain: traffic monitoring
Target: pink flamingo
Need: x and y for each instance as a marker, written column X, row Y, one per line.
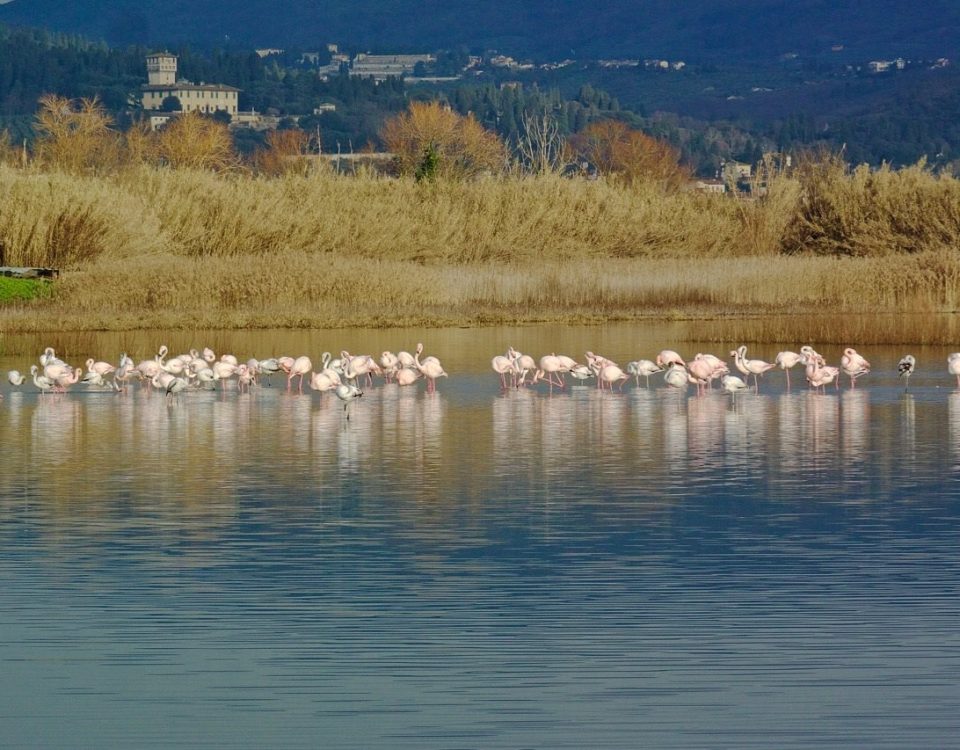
column 245, row 377
column 410, row 360
column 301, row 366
column 677, row 376
column 522, row 365
column 67, row 378
column 702, row 370
column 808, row 353
column 717, row 367
column 669, row 357
column 643, row 367
column 223, row 371
column 390, row 364
column 325, row 380
column 611, row 374
column 549, row 367
column 853, row 365
column 162, row 380
column 786, row 361
column 406, row 376
column 755, row 367
column 953, row 366
column 101, row 368
column 502, row 366
column 566, row 363
column 431, row 370
column 359, row 365
column 819, row 375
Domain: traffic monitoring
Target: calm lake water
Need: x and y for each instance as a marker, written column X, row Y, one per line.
column 475, row 568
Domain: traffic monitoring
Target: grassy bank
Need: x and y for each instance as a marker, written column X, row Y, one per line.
column 157, row 248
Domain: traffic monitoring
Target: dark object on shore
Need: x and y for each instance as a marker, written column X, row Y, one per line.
column 16, row 272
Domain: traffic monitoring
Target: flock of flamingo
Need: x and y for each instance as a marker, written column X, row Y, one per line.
column 700, row 371
column 342, row 375
column 203, row 369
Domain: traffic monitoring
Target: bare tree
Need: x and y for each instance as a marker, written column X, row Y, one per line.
column 542, row 147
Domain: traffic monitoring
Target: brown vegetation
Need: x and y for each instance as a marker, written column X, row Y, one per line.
column 76, row 137
column 629, row 155
column 192, row 141
column 461, row 146
column 284, row 153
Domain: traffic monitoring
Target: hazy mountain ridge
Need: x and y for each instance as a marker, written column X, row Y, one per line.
column 694, row 29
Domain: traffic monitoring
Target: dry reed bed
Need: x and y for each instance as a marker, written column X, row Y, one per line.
column 144, row 211
column 292, row 289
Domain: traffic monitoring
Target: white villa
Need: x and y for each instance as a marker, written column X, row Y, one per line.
column 199, row 97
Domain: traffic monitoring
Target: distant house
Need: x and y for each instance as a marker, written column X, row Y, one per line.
column 381, row 67
column 193, row 97
column 881, row 66
column 710, row 186
column 269, row 52
column 735, row 171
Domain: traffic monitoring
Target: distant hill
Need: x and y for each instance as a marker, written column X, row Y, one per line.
column 699, row 30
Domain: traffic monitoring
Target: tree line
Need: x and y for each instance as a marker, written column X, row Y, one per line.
column 428, row 141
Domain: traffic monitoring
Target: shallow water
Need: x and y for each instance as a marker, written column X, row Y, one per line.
column 475, row 568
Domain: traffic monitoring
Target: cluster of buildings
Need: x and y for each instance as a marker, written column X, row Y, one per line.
column 747, row 179
column 882, row 66
column 649, row 64
column 164, row 96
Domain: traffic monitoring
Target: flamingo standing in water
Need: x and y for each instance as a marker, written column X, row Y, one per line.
column 809, row 353
column 390, row 363
column 611, row 374
column 819, row 375
column 581, row 372
column 223, row 371
column 430, row 369
column 347, row 393
column 245, row 376
column 502, row 366
column 268, row 368
column 677, row 376
column 787, row 361
column 853, row 365
column 669, row 357
column 41, row 381
column 16, row 378
column 67, row 378
column 701, row 371
column 550, row 365
column 523, row 364
column 733, row 385
column 177, row 385
column 406, row 376
column 905, row 368
column 643, row 367
column 409, row 360
column 755, row 367
column 953, row 366
column 301, row 366
column 325, row 380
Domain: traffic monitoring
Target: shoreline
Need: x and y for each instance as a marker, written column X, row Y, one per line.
column 756, row 327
